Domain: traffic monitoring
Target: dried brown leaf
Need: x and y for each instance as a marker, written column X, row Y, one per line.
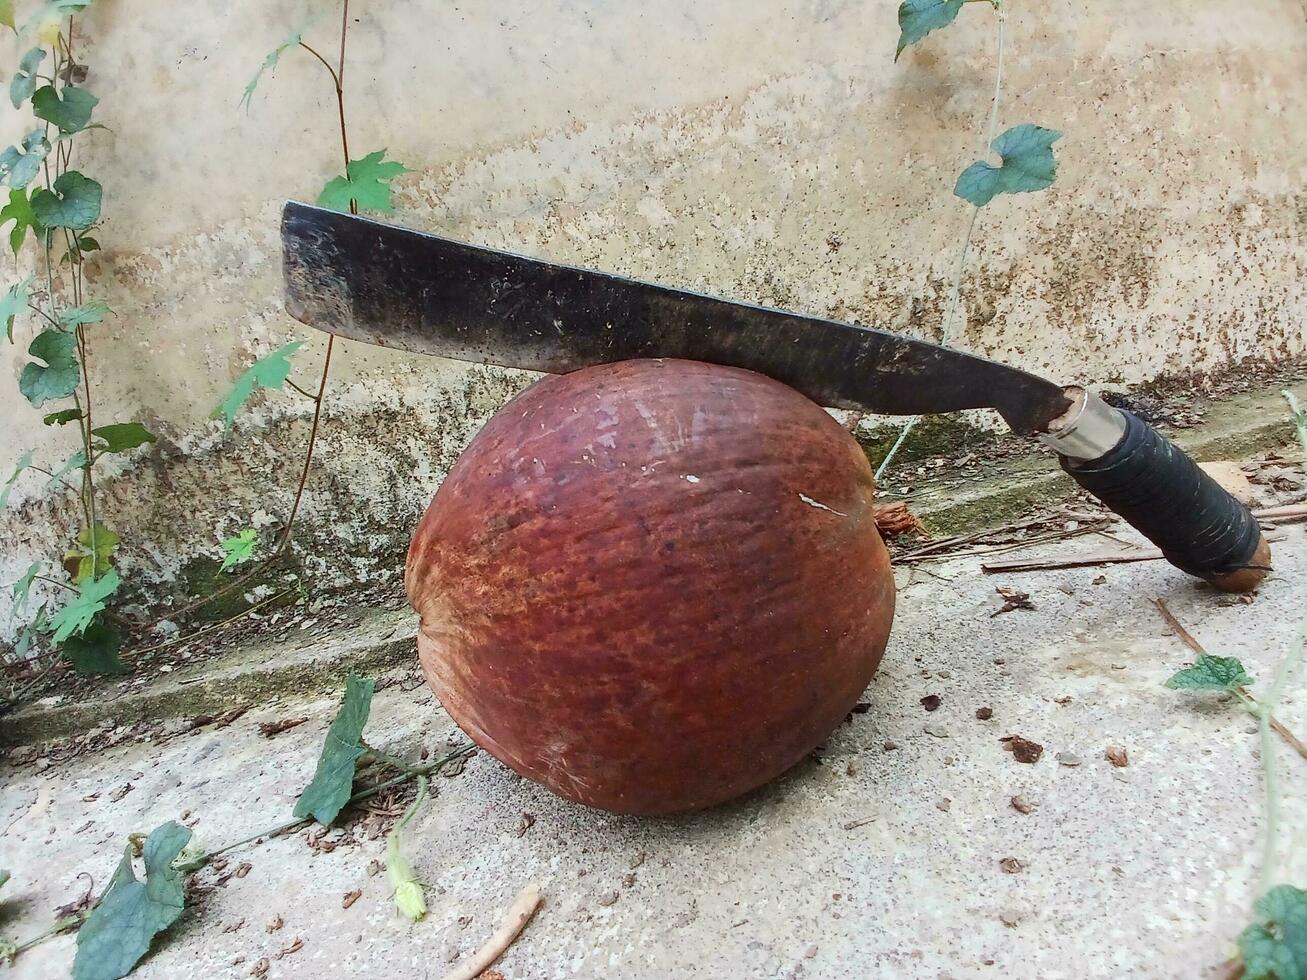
column 1022, row 749
column 270, row 728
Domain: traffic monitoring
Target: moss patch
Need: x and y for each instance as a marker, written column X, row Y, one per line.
column 934, row 435
column 203, row 576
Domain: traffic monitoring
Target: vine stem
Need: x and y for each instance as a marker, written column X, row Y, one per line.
column 36, row 309
column 1266, row 708
column 195, row 864
column 1299, row 420
column 411, row 773
column 213, row 627
column 395, row 762
column 62, row 481
column 1250, row 703
column 60, row 926
column 954, row 293
column 338, row 83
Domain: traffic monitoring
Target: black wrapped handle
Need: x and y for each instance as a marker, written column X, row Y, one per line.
column 1199, row 527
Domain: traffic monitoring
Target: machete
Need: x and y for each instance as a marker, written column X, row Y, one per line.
column 395, row 287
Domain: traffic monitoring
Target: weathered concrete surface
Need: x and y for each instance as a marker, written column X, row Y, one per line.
column 1143, row 871
column 250, row 674
column 771, row 151
column 953, row 500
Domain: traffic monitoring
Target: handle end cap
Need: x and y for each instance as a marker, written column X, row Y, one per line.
column 1246, row 579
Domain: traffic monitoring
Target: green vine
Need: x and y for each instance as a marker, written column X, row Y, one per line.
column 365, row 185
column 1026, row 153
column 62, row 210
column 120, row 927
column 56, row 208
column 1274, row 945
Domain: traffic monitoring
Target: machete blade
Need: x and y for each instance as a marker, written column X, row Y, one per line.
column 395, row 287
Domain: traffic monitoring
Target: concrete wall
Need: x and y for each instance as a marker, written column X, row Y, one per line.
column 767, row 150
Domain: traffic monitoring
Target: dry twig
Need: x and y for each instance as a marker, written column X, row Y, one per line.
column 514, row 921
column 1192, row 643
column 1089, row 561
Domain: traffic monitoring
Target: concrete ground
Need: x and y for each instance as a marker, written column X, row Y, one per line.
column 885, row 857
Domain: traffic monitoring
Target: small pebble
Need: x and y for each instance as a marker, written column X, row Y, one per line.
column 1011, row 865
column 810, row 952
column 1010, row 917
column 1021, row 804
column 890, row 746
column 1068, row 758
column 607, row 898
column 936, row 730
column 943, row 674
column 985, row 713
column 943, row 803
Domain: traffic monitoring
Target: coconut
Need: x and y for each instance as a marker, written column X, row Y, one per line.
column 653, row 585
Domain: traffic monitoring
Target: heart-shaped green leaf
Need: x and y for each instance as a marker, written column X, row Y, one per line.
column 123, row 924
column 76, row 316
column 59, row 376
column 63, row 417
column 917, row 18
column 333, row 781
column 93, row 554
column 1028, row 165
column 23, row 84
column 1211, row 674
column 122, row 436
column 20, row 164
column 95, row 651
column 74, row 203
column 70, row 109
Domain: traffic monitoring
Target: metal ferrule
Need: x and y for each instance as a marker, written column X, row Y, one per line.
column 1090, row 429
